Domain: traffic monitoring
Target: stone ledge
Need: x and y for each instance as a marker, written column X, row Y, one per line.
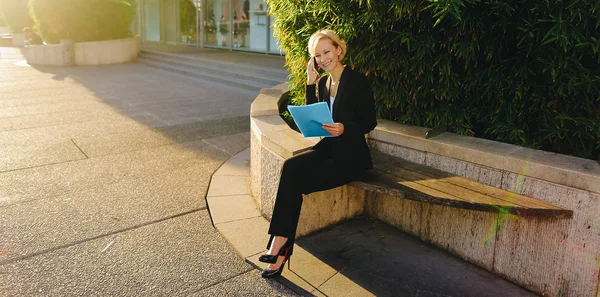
column 556, row 168
column 266, row 124
column 265, row 104
column 286, row 143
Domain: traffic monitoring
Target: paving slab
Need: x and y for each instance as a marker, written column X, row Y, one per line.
column 232, row 146
column 288, row 277
column 48, row 107
column 122, row 142
column 67, row 132
column 175, row 257
column 249, row 284
column 248, row 237
column 340, row 285
column 238, row 165
column 53, row 222
column 54, row 119
column 225, row 209
column 13, row 101
column 228, row 186
column 207, row 129
column 18, row 157
column 52, row 180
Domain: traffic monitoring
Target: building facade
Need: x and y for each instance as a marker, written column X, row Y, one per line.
column 228, row 24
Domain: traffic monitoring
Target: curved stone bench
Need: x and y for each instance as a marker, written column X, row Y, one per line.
column 550, row 245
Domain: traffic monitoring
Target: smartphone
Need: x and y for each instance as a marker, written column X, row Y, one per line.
column 316, row 66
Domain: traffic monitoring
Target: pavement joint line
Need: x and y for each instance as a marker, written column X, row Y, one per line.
column 134, row 150
column 77, row 242
column 256, row 254
column 239, row 220
column 219, row 282
column 217, row 147
column 35, row 199
column 73, row 141
column 329, row 278
column 42, row 165
column 37, row 113
column 236, row 220
column 38, row 127
column 228, row 195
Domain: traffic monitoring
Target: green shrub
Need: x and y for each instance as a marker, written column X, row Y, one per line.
column 90, row 20
column 15, row 14
column 522, row 72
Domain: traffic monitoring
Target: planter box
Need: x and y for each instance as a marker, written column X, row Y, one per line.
column 51, row 54
column 84, row 53
column 107, row 52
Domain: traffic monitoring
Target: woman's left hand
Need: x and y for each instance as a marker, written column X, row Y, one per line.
column 336, row 129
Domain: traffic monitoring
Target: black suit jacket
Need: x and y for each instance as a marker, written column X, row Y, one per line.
column 354, row 107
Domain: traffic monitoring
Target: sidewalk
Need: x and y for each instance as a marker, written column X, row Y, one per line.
column 104, row 172
column 359, row 257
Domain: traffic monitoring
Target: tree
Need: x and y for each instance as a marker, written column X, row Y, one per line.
column 15, row 13
column 90, row 20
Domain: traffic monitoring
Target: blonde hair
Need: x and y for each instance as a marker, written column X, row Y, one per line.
column 329, row 34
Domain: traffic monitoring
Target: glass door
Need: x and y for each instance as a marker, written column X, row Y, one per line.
column 217, row 23
column 152, row 20
column 250, row 25
column 188, row 33
column 170, row 17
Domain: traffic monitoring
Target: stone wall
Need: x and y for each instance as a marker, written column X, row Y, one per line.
column 552, row 257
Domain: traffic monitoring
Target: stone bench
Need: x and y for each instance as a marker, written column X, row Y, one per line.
column 526, row 215
column 396, row 177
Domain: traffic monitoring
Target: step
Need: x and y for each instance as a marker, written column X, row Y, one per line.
column 228, row 81
column 216, row 70
column 277, row 73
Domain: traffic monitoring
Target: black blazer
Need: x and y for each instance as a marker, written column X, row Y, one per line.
column 354, row 107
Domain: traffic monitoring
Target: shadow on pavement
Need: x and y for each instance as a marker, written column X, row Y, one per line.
column 387, row 262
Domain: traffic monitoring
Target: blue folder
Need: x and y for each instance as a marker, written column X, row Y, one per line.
column 310, row 118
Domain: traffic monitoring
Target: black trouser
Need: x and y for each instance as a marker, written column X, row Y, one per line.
column 304, row 173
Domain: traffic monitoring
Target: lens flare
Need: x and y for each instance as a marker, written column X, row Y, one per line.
column 503, row 213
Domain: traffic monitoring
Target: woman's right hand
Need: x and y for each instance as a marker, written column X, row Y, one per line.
column 311, row 74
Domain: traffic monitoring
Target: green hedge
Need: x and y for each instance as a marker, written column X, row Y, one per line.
column 15, row 13
column 522, row 72
column 78, row 20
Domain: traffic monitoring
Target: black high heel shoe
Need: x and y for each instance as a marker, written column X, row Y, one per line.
column 268, row 273
column 272, row 259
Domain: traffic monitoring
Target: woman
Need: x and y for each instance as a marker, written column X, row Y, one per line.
column 332, row 162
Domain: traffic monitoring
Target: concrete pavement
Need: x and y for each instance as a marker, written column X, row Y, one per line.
column 103, row 174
